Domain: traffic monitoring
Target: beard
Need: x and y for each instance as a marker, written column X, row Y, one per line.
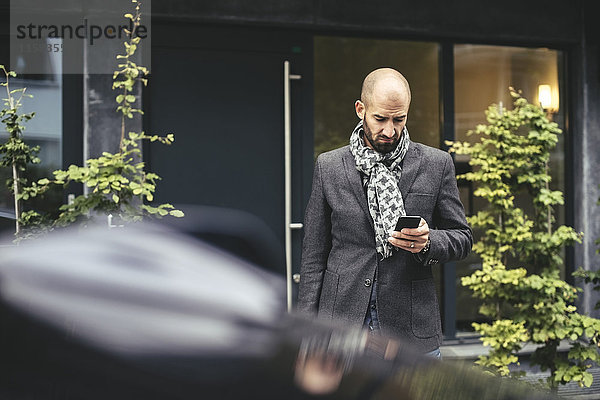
column 375, row 140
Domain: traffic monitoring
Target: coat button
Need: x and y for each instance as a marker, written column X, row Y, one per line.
column 367, row 282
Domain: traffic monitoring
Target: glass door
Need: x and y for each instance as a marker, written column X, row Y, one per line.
column 224, row 100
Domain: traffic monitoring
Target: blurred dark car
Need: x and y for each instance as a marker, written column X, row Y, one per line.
column 147, row 312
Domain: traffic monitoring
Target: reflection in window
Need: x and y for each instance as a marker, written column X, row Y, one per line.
column 341, row 64
column 482, row 76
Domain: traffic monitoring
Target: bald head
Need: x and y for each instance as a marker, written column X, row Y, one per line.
column 385, row 82
column 383, row 108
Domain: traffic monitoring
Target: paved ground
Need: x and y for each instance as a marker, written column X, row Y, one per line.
column 572, row 390
column 468, row 349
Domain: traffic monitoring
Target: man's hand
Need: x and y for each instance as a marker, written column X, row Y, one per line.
column 411, row 239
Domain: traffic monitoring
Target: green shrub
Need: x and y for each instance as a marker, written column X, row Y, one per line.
column 526, row 302
column 118, row 182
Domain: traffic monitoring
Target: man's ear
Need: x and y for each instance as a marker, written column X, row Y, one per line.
column 360, row 109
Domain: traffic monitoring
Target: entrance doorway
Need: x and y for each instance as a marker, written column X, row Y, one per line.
column 221, row 92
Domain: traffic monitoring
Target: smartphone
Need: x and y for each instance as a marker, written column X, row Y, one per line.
column 407, row 221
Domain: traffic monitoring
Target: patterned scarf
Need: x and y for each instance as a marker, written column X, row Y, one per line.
column 385, row 200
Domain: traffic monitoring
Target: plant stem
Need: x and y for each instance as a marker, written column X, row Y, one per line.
column 122, row 126
column 15, row 172
column 549, row 207
column 553, row 344
column 136, row 23
column 14, row 134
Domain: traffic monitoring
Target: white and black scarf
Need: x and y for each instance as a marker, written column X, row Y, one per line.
column 385, row 200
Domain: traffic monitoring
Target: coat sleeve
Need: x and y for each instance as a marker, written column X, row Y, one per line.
column 451, row 237
column 315, row 246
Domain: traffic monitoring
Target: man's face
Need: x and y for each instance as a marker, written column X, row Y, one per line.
column 384, row 119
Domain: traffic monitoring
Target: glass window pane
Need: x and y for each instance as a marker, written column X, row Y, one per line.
column 45, row 130
column 482, row 76
column 341, row 64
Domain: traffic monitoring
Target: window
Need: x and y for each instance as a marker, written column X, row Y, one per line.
column 341, row 64
column 45, row 130
column 482, row 76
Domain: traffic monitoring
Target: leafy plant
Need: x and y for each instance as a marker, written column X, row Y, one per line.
column 15, row 153
column 118, row 183
column 519, row 281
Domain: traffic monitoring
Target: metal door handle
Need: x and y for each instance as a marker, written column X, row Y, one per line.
column 287, row 77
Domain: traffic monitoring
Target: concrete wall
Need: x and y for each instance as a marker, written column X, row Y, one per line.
column 586, row 150
column 541, row 21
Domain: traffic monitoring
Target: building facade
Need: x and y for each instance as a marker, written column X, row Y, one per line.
column 225, row 72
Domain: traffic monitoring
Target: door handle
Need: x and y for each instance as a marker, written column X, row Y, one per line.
column 289, row 225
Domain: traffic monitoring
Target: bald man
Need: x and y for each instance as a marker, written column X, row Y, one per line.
column 355, row 267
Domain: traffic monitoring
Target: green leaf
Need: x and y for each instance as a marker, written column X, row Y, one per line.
column 588, row 379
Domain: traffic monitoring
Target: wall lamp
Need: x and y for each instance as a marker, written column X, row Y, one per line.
column 548, row 98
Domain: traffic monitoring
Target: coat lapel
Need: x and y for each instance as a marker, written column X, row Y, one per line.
column 355, row 182
column 410, row 167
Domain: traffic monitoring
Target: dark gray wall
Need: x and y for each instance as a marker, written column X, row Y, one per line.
column 529, row 21
column 585, row 89
column 532, row 21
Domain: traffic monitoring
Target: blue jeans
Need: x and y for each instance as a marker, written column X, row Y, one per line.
column 437, row 354
column 371, row 319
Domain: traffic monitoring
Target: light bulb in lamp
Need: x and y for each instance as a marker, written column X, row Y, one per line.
column 548, row 98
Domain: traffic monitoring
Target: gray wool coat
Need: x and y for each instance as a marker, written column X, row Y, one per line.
column 339, row 260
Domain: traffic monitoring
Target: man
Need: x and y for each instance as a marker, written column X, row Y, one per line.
column 355, row 267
